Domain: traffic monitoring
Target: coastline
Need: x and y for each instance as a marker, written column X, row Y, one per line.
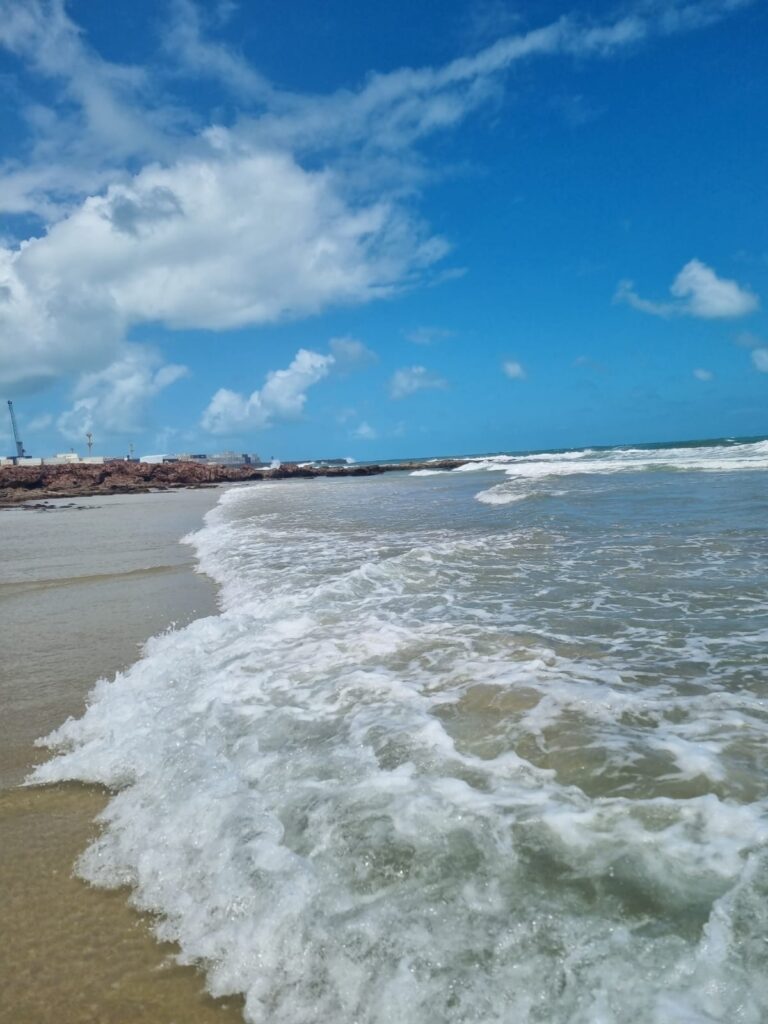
column 20, row 485
column 69, row 953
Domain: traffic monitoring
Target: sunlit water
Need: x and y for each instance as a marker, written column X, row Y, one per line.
column 487, row 745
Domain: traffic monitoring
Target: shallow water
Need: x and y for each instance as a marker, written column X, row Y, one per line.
column 486, row 745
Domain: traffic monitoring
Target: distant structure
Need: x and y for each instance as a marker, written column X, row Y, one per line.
column 89, row 439
column 20, row 453
column 219, row 459
column 230, row 459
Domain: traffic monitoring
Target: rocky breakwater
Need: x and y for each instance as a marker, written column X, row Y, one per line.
column 20, row 484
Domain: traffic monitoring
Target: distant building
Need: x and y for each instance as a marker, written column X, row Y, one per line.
column 189, row 457
column 230, row 459
column 62, row 459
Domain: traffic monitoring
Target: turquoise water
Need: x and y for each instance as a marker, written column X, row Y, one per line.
column 484, row 745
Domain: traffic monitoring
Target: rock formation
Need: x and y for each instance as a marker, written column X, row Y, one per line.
column 78, row 480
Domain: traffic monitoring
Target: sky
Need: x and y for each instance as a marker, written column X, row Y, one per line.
column 382, row 230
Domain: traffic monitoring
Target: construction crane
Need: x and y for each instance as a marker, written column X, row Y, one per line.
column 20, row 453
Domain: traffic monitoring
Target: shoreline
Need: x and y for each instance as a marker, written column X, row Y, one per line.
column 20, row 485
column 71, row 953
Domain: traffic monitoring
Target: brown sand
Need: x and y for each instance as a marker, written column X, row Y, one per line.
column 79, row 592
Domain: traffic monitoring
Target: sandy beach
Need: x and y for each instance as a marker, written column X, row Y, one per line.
column 81, row 589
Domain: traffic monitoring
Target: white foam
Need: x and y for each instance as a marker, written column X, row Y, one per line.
column 521, row 470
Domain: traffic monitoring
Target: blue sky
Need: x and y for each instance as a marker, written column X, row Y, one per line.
column 386, row 229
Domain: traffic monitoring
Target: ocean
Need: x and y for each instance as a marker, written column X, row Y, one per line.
column 486, row 745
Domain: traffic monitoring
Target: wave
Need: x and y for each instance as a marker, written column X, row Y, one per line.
column 388, row 783
column 521, row 469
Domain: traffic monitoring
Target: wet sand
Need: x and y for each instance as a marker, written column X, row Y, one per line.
column 81, row 589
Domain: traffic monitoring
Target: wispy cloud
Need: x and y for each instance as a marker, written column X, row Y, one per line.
column 365, row 432
column 759, row 349
column 428, row 335
column 188, row 45
column 697, row 291
column 703, row 375
column 39, row 423
column 513, row 369
column 105, row 114
column 350, row 354
column 411, row 379
column 113, row 400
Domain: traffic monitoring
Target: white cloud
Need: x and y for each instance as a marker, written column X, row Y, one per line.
column 365, row 432
column 214, row 242
column 760, row 359
column 227, row 227
column 351, row 354
column 108, row 111
column 700, row 374
column 707, row 295
column 114, row 400
column 698, row 292
column 104, row 112
column 413, row 378
column 281, row 398
column 185, row 44
column 395, row 109
column 513, row 370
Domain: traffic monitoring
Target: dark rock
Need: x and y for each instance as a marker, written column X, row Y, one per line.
column 20, row 483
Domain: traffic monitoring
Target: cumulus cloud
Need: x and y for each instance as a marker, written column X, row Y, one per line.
column 760, row 359
column 513, row 369
column 411, row 379
column 215, row 242
column 295, row 205
column 282, row 397
column 114, row 400
column 701, row 374
column 697, row 291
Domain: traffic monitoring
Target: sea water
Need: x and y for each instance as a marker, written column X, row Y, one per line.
column 485, row 745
